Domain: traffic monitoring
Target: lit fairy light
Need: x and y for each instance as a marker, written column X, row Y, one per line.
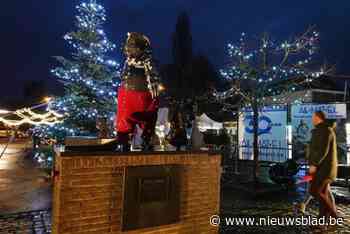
column 247, row 64
column 87, row 96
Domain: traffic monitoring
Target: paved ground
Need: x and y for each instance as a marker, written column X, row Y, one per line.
column 275, row 204
column 34, row 222
column 22, row 184
column 275, row 201
column 25, row 200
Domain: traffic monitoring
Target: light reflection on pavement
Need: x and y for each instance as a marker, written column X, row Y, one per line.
column 22, row 184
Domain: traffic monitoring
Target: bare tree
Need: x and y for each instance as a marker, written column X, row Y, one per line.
column 264, row 72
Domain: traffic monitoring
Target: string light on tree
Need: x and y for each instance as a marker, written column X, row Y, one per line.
column 264, row 72
column 90, row 76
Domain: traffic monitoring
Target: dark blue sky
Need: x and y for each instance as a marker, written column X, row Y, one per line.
column 31, row 31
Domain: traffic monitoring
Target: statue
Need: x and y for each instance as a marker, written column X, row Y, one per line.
column 138, row 94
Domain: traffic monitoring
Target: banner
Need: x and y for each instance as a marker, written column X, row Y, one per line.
column 302, row 118
column 332, row 111
column 272, row 134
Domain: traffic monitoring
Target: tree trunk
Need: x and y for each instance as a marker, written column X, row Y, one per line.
column 102, row 126
column 255, row 140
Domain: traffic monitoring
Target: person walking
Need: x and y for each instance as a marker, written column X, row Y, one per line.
column 308, row 196
column 323, row 163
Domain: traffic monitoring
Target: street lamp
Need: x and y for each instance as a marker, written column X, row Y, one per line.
column 161, row 88
column 47, row 99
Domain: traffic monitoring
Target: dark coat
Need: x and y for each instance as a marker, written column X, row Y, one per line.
column 323, row 153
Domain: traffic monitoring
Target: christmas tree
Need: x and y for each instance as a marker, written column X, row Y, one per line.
column 89, row 77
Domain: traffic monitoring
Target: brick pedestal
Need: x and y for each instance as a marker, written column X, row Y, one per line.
column 89, row 191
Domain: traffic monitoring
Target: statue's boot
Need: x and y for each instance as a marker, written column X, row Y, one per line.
column 123, row 142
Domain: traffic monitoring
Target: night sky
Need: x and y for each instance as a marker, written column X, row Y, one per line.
column 32, row 30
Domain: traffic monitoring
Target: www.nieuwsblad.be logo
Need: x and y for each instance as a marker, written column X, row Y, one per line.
column 215, row 221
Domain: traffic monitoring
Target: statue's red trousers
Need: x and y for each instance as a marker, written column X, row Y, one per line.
column 135, row 107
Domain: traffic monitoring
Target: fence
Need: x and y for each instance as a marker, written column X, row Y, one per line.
column 268, row 154
column 278, row 154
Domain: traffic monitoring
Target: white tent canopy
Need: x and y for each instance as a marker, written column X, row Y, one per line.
column 206, row 123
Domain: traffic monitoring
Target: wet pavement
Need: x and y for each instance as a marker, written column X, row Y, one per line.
column 23, row 186
column 239, row 200
column 236, row 203
column 33, row 222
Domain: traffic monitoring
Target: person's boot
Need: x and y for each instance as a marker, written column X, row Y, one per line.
column 302, row 207
column 123, row 148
